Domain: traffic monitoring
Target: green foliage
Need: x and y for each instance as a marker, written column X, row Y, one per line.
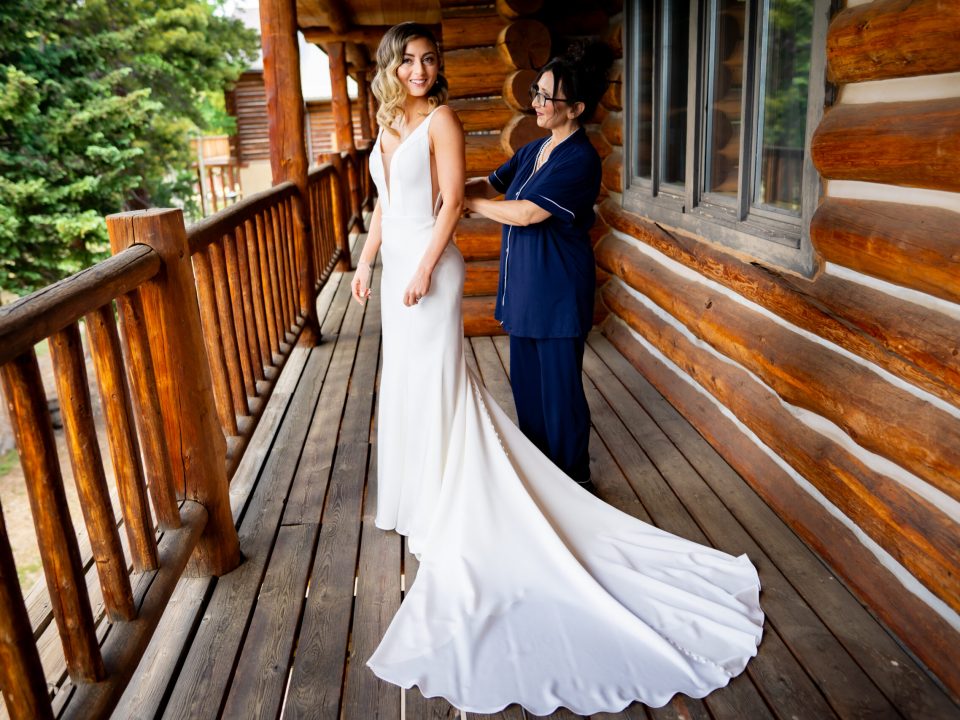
column 790, row 29
column 98, row 99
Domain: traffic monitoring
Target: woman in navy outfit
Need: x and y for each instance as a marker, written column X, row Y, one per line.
column 547, row 273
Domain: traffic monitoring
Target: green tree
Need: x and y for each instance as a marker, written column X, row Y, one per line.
column 98, row 99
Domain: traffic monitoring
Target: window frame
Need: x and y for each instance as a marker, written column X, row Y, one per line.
column 767, row 235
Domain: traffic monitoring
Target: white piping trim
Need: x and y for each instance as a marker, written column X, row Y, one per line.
column 558, row 205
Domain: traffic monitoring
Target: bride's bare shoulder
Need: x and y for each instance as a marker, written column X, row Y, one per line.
column 445, row 123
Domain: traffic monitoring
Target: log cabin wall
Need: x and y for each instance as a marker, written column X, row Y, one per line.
column 836, row 397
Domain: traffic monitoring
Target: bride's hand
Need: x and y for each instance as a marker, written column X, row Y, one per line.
column 418, row 287
column 360, row 285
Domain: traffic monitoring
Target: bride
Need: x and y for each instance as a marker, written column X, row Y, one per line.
column 530, row 589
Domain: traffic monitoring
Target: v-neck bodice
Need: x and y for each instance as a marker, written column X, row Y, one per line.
column 406, row 194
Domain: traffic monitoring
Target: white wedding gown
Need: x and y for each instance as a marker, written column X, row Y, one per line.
column 530, row 589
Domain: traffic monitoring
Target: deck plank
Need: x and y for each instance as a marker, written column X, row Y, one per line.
column 377, row 601
column 740, row 698
column 203, row 680
column 849, row 690
column 260, row 678
column 910, row 689
column 316, row 681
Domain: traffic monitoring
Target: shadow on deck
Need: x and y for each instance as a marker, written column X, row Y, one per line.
column 288, row 632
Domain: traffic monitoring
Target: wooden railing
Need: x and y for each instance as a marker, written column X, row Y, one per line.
column 188, row 331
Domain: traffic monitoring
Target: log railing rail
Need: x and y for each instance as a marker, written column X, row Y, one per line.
column 188, row 330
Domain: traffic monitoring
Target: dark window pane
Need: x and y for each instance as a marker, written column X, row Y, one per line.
column 724, row 96
column 676, row 56
column 784, row 80
column 643, row 108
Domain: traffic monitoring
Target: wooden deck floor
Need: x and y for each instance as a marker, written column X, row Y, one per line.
column 286, row 634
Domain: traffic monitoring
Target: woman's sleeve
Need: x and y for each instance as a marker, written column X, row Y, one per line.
column 569, row 188
column 503, row 175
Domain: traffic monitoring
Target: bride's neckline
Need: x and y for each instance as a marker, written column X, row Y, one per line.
column 388, row 163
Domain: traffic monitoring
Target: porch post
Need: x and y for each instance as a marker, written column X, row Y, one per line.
column 372, row 107
column 343, row 119
column 285, row 122
column 363, row 100
column 340, row 100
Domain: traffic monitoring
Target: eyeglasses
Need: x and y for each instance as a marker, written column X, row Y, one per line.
column 538, row 97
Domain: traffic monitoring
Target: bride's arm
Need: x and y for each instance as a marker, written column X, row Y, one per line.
column 360, row 286
column 446, row 136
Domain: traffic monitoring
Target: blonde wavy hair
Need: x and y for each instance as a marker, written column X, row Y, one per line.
column 387, row 87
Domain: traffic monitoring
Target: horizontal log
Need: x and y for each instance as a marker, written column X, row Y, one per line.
column 600, row 143
column 478, row 238
column 481, row 278
column 524, row 44
column 476, row 72
column 478, row 317
column 516, row 89
column 484, row 154
column 916, row 533
column 930, row 637
column 612, row 128
column 471, row 27
column 513, row 9
column 520, row 130
column 34, row 317
column 915, row 144
column 613, row 98
column 614, row 38
column 598, row 231
column 613, row 172
column 482, row 114
column 912, row 342
column 363, row 35
column 917, row 247
column 893, row 38
column 875, row 413
column 600, row 310
column 600, row 114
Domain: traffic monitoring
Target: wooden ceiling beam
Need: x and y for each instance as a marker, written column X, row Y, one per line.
column 365, row 34
column 338, row 16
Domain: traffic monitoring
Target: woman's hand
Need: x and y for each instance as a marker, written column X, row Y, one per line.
column 418, row 287
column 360, row 286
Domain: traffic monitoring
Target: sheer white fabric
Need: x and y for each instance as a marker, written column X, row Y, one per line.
column 530, row 590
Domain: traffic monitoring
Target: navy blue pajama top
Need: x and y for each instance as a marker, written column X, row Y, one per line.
column 547, row 272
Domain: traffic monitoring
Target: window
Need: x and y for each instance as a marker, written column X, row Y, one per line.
column 722, row 98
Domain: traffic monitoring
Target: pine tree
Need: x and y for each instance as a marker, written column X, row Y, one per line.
column 98, row 100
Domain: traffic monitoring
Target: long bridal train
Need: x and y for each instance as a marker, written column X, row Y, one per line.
column 530, row 590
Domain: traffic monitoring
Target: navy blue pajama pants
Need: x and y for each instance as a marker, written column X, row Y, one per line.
column 551, row 407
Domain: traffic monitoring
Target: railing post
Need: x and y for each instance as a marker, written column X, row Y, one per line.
column 172, row 316
column 21, row 674
column 345, row 263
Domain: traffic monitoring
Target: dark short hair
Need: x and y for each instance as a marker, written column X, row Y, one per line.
column 581, row 74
